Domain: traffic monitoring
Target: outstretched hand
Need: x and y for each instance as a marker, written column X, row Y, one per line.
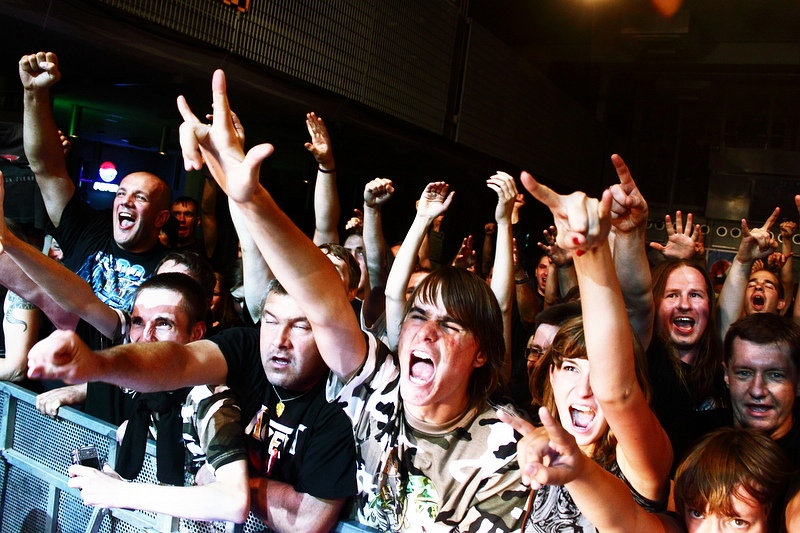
column 582, row 222
column 503, row 184
column 547, row 455
column 682, row 241
column 219, row 146
column 434, row 200
column 320, row 145
column 466, row 257
column 39, row 71
column 628, row 209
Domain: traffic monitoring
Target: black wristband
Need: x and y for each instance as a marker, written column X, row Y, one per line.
column 331, row 171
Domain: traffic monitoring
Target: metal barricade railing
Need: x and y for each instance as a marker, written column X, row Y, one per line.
column 34, row 496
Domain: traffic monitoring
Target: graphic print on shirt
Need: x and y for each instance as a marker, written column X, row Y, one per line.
column 269, row 440
column 114, row 280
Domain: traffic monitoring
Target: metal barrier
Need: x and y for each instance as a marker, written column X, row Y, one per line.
column 34, row 496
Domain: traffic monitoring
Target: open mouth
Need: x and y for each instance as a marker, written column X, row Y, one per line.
column 683, row 323
column 421, row 368
column 125, row 220
column 758, row 409
column 582, row 416
column 758, row 301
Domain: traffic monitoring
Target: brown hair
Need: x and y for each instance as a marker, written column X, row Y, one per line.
column 570, row 343
column 468, row 299
column 727, row 460
column 705, row 375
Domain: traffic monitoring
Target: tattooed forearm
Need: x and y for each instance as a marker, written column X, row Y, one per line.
column 16, row 301
column 11, row 319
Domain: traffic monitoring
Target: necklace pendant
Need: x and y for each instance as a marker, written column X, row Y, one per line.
column 279, row 409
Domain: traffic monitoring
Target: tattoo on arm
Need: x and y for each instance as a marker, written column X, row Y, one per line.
column 15, row 301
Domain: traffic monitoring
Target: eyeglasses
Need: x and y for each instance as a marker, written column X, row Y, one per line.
column 534, row 353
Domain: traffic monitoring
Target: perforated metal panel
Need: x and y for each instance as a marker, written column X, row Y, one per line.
column 33, row 479
column 25, row 502
column 393, row 56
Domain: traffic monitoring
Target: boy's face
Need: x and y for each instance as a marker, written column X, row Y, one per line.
column 749, row 516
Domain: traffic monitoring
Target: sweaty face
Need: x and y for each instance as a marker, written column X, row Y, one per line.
column 749, row 516
column 158, row 315
column 187, row 218
column 437, row 357
column 761, row 295
column 684, row 309
column 578, row 411
column 763, row 383
column 541, row 273
column 289, row 353
column 136, row 218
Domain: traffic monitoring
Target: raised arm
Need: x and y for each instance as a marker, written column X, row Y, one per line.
column 38, row 72
column 326, row 197
column 434, row 201
column 503, row 276
column 682, row 241
column 755, row 244
column 208, row 216
column 644, row 453
column 306, row 273
column 376, row 193
column 629, row 220
column 788, row 229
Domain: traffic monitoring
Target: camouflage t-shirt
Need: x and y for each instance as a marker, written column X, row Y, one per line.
column 415, row 477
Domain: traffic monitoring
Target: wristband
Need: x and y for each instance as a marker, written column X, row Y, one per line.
column 522, row 281
column 331, row 171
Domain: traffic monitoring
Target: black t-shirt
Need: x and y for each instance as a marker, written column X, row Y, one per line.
column 310, row 445
column 86, row 236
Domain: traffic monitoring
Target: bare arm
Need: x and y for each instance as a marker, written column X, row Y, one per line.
column 284, row 509
column 434, row 201
column 629, row 219
column 21, row 330
column 306, row 274
column 227, row 498
column 503, row 276
column 145, row 367
column 550, row 456
column 62, row 285
column 38, row 72
column 644, row 452
column 256, row 273
column 755, row 244
column 376, row 193
column 527, row 302
column 208, row 216
column 326, row 197
column 787, row 270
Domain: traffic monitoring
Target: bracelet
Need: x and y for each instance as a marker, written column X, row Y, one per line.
column 522, row 281
column 331, row 171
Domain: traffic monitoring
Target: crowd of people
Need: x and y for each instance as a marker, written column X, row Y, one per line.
column 600, row 388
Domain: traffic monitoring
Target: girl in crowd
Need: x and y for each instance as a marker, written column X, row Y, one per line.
column 592, row 376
